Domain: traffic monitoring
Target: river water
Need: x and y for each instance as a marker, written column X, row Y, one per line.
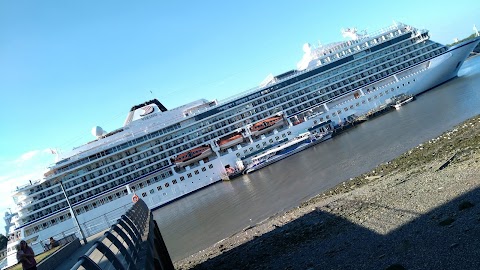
column 203, row 218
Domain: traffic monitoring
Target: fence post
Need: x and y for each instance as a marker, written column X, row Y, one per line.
column 106, row 220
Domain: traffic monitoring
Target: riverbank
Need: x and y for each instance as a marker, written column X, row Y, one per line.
column 418, row 211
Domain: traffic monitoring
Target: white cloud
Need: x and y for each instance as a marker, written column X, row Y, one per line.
column 16, row 172
column 28, row 156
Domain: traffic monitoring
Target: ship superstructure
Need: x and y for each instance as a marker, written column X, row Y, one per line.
column 162, row 155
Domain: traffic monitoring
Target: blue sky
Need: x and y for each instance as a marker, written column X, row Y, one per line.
column 66, row 66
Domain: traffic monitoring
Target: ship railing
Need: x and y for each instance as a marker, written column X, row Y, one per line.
column 19, row 188
column 89, row 227
column 133, row 242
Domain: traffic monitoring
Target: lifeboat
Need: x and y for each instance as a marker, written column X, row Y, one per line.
column 230, row 140
column 49, row 173
column 266, row 125
column 192, row 155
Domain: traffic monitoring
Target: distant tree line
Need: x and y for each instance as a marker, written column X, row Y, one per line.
column 472, row 36
column 3, row 241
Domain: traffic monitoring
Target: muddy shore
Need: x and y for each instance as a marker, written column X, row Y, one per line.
column 418, row 211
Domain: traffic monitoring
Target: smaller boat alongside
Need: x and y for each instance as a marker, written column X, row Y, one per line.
column 400, row 100
column 297, row 144
column 232, row 172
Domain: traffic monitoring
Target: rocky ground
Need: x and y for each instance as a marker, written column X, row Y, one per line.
column 419, row 211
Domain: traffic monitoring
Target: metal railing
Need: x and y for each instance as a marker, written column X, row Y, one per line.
column 133, row 242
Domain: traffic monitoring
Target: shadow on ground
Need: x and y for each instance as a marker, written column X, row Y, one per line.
column 447, row 237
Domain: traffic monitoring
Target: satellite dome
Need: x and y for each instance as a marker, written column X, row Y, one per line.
column 98, row 131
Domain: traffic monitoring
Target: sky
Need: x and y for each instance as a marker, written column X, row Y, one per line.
column 67, row 66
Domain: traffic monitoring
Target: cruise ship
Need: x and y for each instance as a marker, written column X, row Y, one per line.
column 163, row 154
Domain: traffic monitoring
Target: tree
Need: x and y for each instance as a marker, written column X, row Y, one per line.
column 3, row 241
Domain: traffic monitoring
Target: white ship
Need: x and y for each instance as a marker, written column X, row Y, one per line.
column 291, row 147
column 162, row 155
